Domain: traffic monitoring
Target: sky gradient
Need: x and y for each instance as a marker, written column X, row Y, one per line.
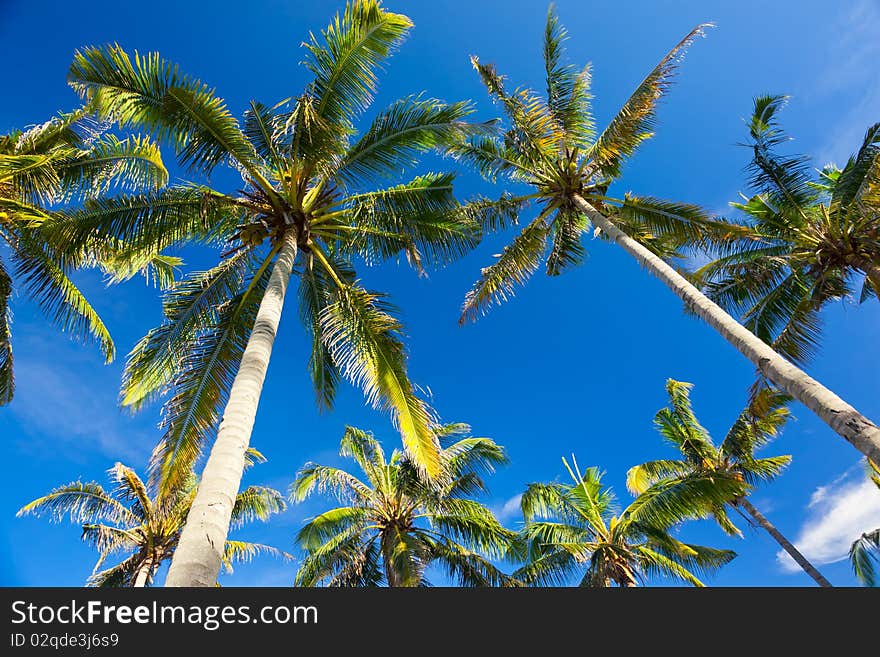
column 573, row 364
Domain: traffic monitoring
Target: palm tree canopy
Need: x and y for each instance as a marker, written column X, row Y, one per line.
column 552, row 145
column 812, row 238
column 864, row 553
column 304, row 169
column 573, row 532
column 758, row 424
column 394, row 523
column 60, row 162
column 144, row 522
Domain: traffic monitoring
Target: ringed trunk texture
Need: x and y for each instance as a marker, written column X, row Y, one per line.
column 197, row 559
column 793, row 552
column 863, row 434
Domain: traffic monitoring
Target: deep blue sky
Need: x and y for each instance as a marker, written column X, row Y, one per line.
column 574, row 364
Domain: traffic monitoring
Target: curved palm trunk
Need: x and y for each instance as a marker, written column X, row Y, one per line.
column 197, row 559
column 863, row 434
column 144, row 573
column 793, row 552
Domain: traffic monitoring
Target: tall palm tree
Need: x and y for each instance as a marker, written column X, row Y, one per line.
column 63, row 160
column 395, row 524
column 145, row 523
column 756, row 426
column 572, row 532
column 864, row 552
column 311, row 201
column 552, row 146
column 811, row 239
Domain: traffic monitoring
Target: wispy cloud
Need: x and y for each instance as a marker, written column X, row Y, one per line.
column 838, row 513
column 509, row 509
column 64, row 406
column 852, row 65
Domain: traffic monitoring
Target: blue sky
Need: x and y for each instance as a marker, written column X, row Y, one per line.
column 574, row 364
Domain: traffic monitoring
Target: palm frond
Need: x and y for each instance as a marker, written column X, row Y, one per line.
column 864, row 555
column 635, row 121
column 513, row 267
column 364, row 341
column 256, row 502
column 84, row 502
column 355, row 45
column 43, row 275
column 149, row 92
column 7, row 377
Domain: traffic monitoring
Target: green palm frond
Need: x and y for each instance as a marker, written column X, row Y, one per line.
column 256, row 503
column 566, row 249
column 325, row 526
column 316, row 293
column 635, row 121
column 149, row 92
column 670, row 502
column 131, row 490
column 46, row 280
column 122, row 574
column 421, row 218
column 355, row 45
column 245, row 552
column 187, row 307
column 202, row 382
column 364, row 341
column 341, row 484
column 83, row 502
column 512, row 268
column 108, row 540
column 110, row 162
column 784, row 180
column 641, row 477
column 568, row 90
column 409, row 127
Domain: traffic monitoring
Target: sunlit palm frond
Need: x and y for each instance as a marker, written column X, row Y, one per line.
column 512, row 268
column 364, row 341
column 635, row 121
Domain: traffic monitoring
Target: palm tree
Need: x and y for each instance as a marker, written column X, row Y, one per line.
column 573, row 534
column 310, row 204
column 145, row 523
column 808, row 241
column 756, row 426
column 394, row 524
column 61, row 161
column 552, row 146
column 865, row 550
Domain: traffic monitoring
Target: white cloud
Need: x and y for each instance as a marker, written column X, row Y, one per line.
column 509, row 510
column 839, row 512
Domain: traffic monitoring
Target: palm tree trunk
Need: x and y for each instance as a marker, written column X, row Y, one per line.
column 197, row 559
column 863, row 434
column 144, row 573
column 872, row 271
column 770, row 528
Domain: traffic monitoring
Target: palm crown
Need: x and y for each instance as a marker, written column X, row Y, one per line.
column 809, row 241
column 734, row 458
column 144, row 523
column 395, row 524
column 573, row 533
column 552, row 145
column 62, row 161
column 307, row 180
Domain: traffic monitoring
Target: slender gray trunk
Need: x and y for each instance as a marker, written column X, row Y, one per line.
column 863, row 434
column 197, row 559
column 795, row 554
column 144, row 573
